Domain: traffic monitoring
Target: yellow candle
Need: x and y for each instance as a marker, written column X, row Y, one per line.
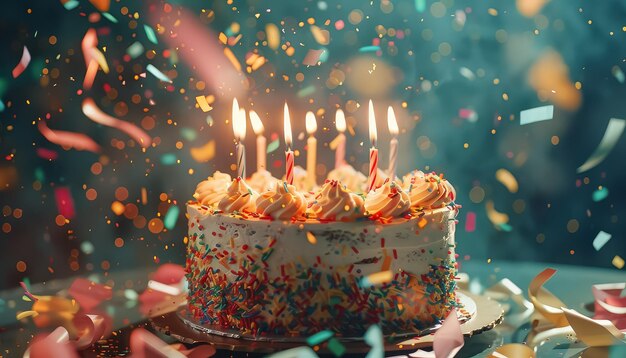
column 261, row 141
column 311, row 143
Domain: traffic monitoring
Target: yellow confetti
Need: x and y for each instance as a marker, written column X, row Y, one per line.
column 204, row 105
column 231, row 57
column 311, row 238
column 618, row 262
column 26, row 314
column 495, row 217
column 204, row 153
column 377, row 278
column 321, row 36
column 273, row 36
column 507, row 179
column 223, row 38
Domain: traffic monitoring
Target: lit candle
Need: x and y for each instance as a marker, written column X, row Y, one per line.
column 239, row 128
column 373, row 151
column 393, row 145
column 261, row 141
column 289, row 159
column 340, row 151
column 311, row 144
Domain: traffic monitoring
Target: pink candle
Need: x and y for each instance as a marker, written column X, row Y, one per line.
column 392, row 124
column 289, row 159
column 340, row 151
column 371, row 180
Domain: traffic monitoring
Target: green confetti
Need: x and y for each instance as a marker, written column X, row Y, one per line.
column 158, row 74
column 600, row 194
column 369, row 49
column 299, row 352
column 109, row 17
column 135, row 50
column 306, row 91
column 71, row 4
column 40, row 175
column 319, row 337
column 87, row 247
column 420, row 5
column 374, row 338
column 168, row 159
column 336, row 347
column 188, row 133
column 273, row 146
column 150, row 34
column 171, row 217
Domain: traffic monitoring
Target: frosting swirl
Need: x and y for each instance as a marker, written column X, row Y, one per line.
column 283, row 202
column 388, row 200
column 335, row 202
column 300, row 178
column 350, row 177
column 261, row 180
column 239, row 197
column 428, row 190
column 210, row 191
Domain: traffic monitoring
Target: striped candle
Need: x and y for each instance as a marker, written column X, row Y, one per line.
column 371, row 180
column 289, row 158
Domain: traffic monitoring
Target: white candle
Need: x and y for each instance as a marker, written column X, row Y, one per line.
column 311, row 144
column 392, row 124
column 261, row 141
column 340, row 141
column 239, row 128
column 289, row 159
column 373, row 172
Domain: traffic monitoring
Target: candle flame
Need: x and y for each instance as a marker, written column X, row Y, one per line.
column 257, row 125
column 340, row 121
column 239, row 124
column 311, row 123
column 287, row 127
column 372, row 124
column 235, row 110
column 392, row 124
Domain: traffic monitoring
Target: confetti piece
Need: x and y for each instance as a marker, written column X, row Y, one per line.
column 169, row 274
column 611, row 136
column 376, row 278
column 171, row 217
column 470, row 222
column 95, row 114
column 71, row 4
column 131, row 294
column 273, row 36
column 447, row 341
column 68, row 139
column 233, row 60
column 618, row 262
column 144, row 344
column 189, row 134
column 466, row 72
column 168, row 159
column 321, row 36
column 56, row 344
column 469, row 114
column 205, row 153
column 89, row 294
column 594, row 333
column 336, row 347
column 601, row 239
column 26, row 314
column 47, row 154
column 618, row 74
column 109, row 17
column 158, row 74
column 27, row 292
column 420, row 5
column 308, row 90
column 87, row 247
column 161, row 287
column 319, row 337
column 600, row 194
column 150, row 34
column 507, row 179
column 548, row 305
column 549, row 75
column 101, row 5
column 21, row 66
column 204, row 105
column 298, row 352
column 494, row 216
column 311, row 238
column 312, row 57
column 374, row 338
column 135, row 50
column 609, row 303
column 65, row 202
column 273, row 146
column 537, row 114
column 369, row 49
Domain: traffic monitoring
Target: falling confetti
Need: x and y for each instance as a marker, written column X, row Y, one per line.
column 537, row 114
column 600, row 194
column 21, row 66
column 205, row 153
column 95, row 114
column 158, row 74
column 319, row 337
column 376, row 279
column 618, row 262
column 171, row 217
column 365, row 49
column 507, row 179
column 273, row 36
column 470, row 222
column 494, row 216
column 618, row 74
column 204, row 105
column 612, row 134
column 312, row 57
column 65, row 202
column 601, row 239
column 150, row 34
column 273, row 146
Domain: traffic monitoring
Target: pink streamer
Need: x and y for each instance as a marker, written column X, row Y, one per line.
column 609, row 304
column 95, row 114
column 89, row 294
column 77, row 141
column 21, row 66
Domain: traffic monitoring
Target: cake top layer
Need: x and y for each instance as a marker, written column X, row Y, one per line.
column 263, row 196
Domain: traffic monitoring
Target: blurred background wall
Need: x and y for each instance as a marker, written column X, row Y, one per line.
column 458, row 73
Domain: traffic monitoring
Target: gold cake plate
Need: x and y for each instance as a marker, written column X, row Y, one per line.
column 478, row 314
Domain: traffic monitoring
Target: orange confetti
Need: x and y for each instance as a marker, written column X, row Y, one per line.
column 231, row 57
column 68, row 139
column 204, row 153
column 549, row 76
column 204, row 105
column 101, row 5
column 530, row 8
column 95, row 114
column 273, row 36
column 321, row 36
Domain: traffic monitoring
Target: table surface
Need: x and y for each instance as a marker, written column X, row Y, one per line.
column 572, row 284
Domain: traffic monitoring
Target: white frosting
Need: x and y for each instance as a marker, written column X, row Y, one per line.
column 210, row 191
column 261, row 181
column 350, row 177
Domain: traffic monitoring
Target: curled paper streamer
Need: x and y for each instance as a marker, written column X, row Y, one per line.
column 609, row 304
column 95, row 114
column 90, row 329
column 508, row 289
column 545, row 302
column 513, row 350
column 77, row 141
column 56, row 344
column 612, row 134
column 448, row 340
column 21, row 66
column 165, row 292
column 594, row 333
column 89, row 294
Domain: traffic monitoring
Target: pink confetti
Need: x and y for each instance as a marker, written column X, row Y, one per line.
column 609, row 304
column 339, row 25
column 169, row 274
column 21, row 66
column 95, row 114
column 56, row 344
column 27, row 292
column 469, row 114
column 65, row 202
column 447, row 341
column 68, row 139
column 47, row 154
column 89, row 294
column 470, row 221
column 312, row 57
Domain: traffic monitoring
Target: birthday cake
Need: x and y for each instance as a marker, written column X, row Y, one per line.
column 279, row 262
